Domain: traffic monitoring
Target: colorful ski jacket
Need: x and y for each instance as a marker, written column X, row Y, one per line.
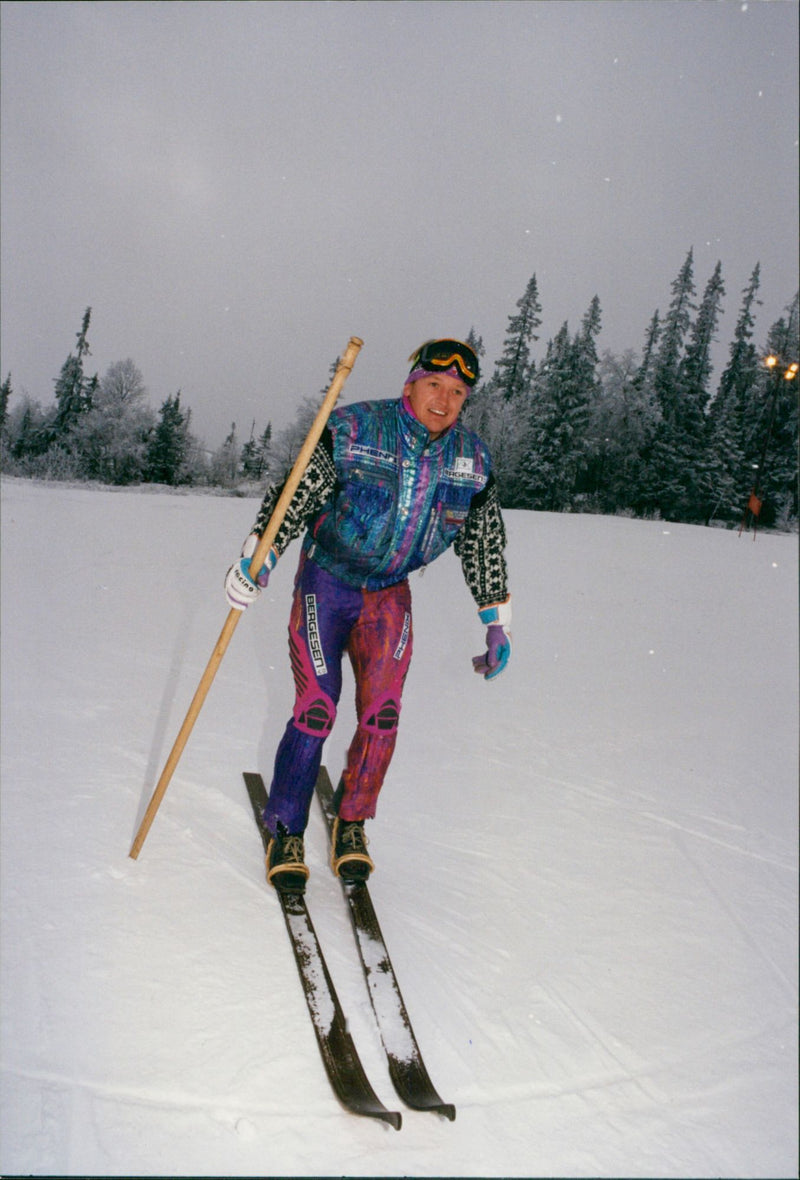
column 380, row 499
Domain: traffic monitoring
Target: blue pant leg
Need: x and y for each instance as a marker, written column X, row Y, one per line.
column 324, row 611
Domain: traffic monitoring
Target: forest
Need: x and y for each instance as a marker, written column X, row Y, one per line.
column 644, row 434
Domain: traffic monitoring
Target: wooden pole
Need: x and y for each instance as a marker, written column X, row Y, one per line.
column 259, row 557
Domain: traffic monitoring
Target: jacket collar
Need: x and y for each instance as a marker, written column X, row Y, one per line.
column 416, row 436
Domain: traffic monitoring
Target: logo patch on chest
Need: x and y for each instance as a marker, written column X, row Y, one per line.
column 371, row 455
column 463, row 472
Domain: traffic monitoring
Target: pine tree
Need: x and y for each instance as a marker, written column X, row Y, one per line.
column 728, row 413
column 772, row 446
column 664, row 489
column 552, row 471
column 497, row 409
column 667, row 370
column 264, row 453
column 696, row 366
column 476, row 344
column 225, row 461
column 255, row 457
column 644, row 374
column 515, row 368
column 737, row 377
column 622, row 420
column 248, row 459
column 5, row 394
column 540, row 483
column 73, row 395
column 169, row 445
column 699, row 470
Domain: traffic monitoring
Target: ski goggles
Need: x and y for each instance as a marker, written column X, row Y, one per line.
column 436, row 356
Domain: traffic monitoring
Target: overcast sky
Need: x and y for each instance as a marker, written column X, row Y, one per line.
column 237, row 188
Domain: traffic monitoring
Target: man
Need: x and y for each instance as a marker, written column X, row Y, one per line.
column 390, row 486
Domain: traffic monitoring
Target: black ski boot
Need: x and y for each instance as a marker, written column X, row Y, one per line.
column 349, row 857
column 286, row 867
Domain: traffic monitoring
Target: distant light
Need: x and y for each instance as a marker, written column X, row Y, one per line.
column 770, row 361
column 791, row 372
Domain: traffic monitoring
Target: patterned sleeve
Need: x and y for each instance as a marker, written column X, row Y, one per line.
column 314, row 490
column 480, row 546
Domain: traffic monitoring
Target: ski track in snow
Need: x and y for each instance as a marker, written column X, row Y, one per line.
column 587, row 871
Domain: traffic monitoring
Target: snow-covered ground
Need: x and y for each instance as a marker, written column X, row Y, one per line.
column 587, row 871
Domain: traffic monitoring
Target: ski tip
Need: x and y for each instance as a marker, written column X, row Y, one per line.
column 372, row 1109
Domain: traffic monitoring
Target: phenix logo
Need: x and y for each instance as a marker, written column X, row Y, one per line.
column 403, row 644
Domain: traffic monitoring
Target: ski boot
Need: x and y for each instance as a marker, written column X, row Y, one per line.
column 349, row 857
column 286, row 867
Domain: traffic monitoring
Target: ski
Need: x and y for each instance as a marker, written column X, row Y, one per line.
column 340, row 1058
column 406, row 1067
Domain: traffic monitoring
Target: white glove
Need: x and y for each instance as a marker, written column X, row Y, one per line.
column 240, row 589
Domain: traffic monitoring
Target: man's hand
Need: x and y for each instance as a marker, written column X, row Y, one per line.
column 240, row 589
column 498, row 640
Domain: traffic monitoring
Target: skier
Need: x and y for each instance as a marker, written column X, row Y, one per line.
column 389, row 487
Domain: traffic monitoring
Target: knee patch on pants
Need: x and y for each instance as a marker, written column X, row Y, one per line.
column 314, row 708
column 381, row 716
column 315, row 713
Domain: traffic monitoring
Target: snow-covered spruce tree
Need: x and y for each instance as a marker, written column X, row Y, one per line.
column 699, row 468
column 5, row 434
column 73, row 392
column 552, row 470
column 247, row 459
column 772, row 439
column 255, row 457
column 169, row 445
column 27, row 436
column 728, row 413
column 514, row 369
column 499, row 411
column 621, row 421
column 537, row 482
column 477, row 411
column 225, row 461
column 664, row 479
column 476, row 343
column 5, row 395
column 585, row 392
column 644, row 374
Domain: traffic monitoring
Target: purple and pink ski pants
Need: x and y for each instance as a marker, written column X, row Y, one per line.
column 329, row 618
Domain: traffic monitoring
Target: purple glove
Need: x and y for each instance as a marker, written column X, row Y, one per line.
column 240, row 589
column 498, row 640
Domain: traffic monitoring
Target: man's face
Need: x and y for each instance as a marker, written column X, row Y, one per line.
column 436, row 399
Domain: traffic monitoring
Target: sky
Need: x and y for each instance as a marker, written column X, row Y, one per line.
column 236, row 189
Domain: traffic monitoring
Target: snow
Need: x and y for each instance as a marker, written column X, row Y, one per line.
column 587, row 870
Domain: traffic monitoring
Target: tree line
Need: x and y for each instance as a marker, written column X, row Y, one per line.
column 104, row 429
column 642, row 433
column 645, row 434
